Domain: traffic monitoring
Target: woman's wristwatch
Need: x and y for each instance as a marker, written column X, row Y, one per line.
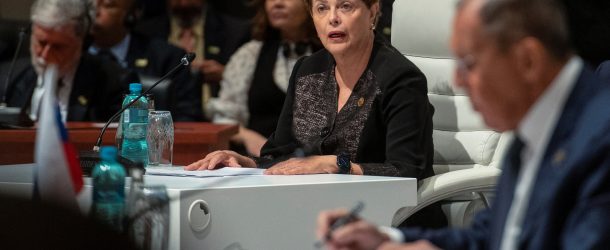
column 344, row 163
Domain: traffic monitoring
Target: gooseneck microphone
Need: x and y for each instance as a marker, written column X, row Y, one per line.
column 10, row 116
column 9, row 74
column 89, row 158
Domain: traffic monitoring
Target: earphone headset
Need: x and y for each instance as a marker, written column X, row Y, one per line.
column 131, row 16
column 88, row 16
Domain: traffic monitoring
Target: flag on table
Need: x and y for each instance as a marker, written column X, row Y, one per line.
column 58, row 177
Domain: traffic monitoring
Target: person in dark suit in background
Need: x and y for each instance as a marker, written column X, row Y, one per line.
column 113, row 39
column 384, row 25
column 589, row 24
column 89, row 89
column 197, row 26
column 515, row 61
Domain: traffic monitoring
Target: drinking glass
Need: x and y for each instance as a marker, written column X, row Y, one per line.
column 148, row 217
column 160, row 138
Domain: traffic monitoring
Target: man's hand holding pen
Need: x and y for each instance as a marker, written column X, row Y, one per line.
column 342, row 229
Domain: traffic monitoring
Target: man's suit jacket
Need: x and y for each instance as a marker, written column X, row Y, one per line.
column 97, row 88
column 603, row 71
column 569, row 207
column 155, row 57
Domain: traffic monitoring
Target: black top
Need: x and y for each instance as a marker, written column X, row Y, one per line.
column 265, row 98
column 386, row 124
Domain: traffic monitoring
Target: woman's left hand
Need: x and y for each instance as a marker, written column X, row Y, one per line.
column 319, row 164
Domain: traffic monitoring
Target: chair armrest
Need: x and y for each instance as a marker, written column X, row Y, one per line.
column 447, row 185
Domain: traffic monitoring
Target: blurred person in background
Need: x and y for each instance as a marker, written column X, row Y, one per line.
column 89, row 89
column 256, row 78
column 114, row 40
column 197, row 26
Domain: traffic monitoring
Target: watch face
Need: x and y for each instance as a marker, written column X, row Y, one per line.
column 343, row 162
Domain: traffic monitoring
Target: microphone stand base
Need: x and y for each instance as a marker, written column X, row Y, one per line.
column 89, row 158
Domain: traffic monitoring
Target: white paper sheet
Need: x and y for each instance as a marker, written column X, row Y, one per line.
column 179, row 171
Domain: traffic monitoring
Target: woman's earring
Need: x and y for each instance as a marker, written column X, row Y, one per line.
column 372, row 26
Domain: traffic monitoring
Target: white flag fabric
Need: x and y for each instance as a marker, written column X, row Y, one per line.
column 58, row 177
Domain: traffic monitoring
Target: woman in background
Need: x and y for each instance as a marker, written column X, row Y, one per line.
column 255, row 80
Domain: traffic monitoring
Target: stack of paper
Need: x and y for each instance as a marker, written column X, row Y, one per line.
column 179, row 171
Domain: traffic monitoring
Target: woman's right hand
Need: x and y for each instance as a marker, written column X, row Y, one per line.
column 222, row 158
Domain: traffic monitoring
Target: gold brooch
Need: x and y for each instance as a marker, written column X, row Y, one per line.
column 141, row 62
column 559, row 157
column 214, row 50
column 360, row 101
column 82, row 100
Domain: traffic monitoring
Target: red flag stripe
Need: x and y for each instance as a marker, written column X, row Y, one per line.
column 73, row 166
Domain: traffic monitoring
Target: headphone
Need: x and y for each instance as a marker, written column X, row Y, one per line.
column 131, row 16
column 88, row 17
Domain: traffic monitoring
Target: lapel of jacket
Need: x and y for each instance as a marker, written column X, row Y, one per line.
column 505, row 191
column 23, row 92
column 136, row 51
column 21, row 85
column 214, row 35
column 83, row 91
column 27, row 89
column 558, row 163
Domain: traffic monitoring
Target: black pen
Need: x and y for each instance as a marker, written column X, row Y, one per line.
column 342, row 221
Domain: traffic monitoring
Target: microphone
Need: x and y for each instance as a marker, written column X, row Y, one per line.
column 9, row 116
column 88, row 159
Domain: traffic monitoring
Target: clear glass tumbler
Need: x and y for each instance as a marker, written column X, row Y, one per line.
column 148, row 217
column 160, row 138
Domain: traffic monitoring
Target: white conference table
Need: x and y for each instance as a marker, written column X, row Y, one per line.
column 253, row 212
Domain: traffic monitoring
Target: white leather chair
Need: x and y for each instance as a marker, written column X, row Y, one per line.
column 467, row 153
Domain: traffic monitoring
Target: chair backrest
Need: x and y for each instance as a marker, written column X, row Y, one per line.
column 420, row 31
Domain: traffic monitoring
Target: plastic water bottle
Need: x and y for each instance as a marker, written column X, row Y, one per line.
column 108, row 190
column 134, row 125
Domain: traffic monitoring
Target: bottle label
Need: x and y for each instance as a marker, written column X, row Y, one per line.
column 126, row 116
column 143, row 113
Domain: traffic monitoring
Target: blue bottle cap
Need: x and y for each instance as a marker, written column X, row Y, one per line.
column 108, row 153
column 135, row 88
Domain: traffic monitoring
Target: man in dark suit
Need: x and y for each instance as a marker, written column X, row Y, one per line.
column 197, row 26
column 88, row 90
column 514, row 60
column 148, row 57
column 96, row 91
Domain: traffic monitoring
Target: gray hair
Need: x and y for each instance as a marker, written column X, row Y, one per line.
column 508, row 21
column 57, row 13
